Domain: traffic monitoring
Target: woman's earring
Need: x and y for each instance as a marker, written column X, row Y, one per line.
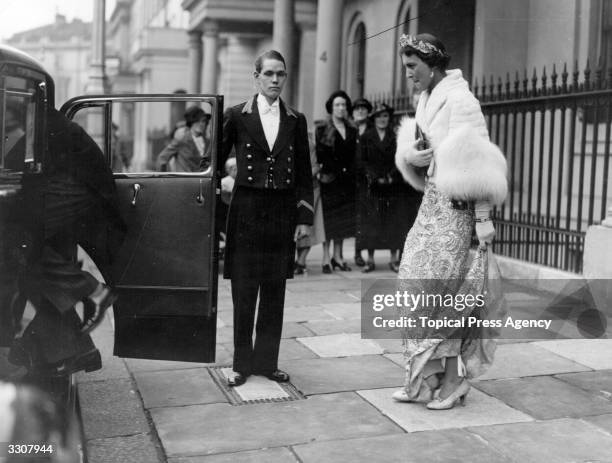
column 431, row 74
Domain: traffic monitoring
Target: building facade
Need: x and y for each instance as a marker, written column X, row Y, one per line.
column 64, row 50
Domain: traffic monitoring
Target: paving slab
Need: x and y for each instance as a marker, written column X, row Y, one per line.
column 203, row 429
column 257, row 387
column 321, row 376
column 480, row 410
column 275, row 455
column 341, row 345
column 295, row 330
column 557, row 441
column 602, row 421
column 545, row 397
column 317, row 297
column 111, row 408
column 290, row 349
column 223, row 357
column 430, row 446
column 528, row 359
column 225, row 335
column 305, row 313
column 390, row 346
column 308, row 285
column 344, row 310
column 334, row 326
column 396, row 358
column 138, row 448
column 594, row 353
column 171, row 388
column 598, row 382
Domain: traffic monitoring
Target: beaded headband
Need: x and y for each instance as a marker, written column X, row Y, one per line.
column 424, row 47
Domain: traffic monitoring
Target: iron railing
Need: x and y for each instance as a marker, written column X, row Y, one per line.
column 555, row 132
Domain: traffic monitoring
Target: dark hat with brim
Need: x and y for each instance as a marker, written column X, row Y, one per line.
column 380, row 108
column 362, row 103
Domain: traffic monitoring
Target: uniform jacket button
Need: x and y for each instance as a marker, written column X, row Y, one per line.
column 289, row 159
column 250, row 167
column 270, row 169
column 290, row 147
column 248, row 145
column 268, row 159
column 288, row 181
column 344, row 169
column 250, row 179
column 249, row 156
column 289, row 169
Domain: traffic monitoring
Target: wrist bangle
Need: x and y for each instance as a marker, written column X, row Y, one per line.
column 479, row 219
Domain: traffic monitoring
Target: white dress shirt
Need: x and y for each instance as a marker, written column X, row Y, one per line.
column 270, row 118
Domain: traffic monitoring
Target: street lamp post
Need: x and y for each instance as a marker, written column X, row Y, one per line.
column 97, row 69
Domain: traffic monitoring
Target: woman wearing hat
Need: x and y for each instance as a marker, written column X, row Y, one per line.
column 387, row 210
column 361, row 112
column 336, row 144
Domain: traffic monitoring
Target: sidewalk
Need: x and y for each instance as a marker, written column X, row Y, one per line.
column 542, row 401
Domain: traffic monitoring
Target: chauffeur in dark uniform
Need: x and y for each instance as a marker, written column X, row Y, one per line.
column 271, row 207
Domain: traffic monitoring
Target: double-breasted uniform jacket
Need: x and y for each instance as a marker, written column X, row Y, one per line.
column 272, row 191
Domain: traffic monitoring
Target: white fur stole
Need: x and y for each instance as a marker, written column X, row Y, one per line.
column 471, row 168
column 404, row 151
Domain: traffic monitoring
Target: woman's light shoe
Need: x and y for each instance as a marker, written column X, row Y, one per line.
column 425, row 395
column 458, row 395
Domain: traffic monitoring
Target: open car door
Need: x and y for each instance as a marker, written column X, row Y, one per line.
column 166, row 271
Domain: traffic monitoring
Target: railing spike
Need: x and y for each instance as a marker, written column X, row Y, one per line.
column 564, row 75
column 492, row 87
column 507, row 85
column 500, row 85
column 517, row 84
column 587, row 75
column 553, row 80
column 599, row 73
column 544, row 89
column 575, row 76
column 476, row 87
column 534, row 83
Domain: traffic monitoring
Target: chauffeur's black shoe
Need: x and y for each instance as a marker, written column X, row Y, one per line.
column 278, row 375
column 238, row 380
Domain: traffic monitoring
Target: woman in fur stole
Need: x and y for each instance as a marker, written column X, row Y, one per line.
column 465, row 177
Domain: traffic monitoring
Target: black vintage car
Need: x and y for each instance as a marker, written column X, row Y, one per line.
column 166, row 272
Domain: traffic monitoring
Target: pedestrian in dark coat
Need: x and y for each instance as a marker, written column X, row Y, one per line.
column 361, row 120
column 271, row 207
column 336, row 142
column 191, row 148
column 79, row 206
column 388, row 208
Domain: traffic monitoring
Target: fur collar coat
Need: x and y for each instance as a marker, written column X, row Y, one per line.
column 467, row 165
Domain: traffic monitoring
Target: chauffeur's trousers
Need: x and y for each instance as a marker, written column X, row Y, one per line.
column 262, row 356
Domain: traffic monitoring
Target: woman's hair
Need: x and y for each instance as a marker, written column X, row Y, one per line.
column 270, row 54
column 193, row 115
column 338, row 93
column 427, row 47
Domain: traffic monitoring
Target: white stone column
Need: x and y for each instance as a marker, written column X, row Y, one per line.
column 97, row 70
column 211, row 57
column 327, row 64
column 195, row 61
column 284, row 41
